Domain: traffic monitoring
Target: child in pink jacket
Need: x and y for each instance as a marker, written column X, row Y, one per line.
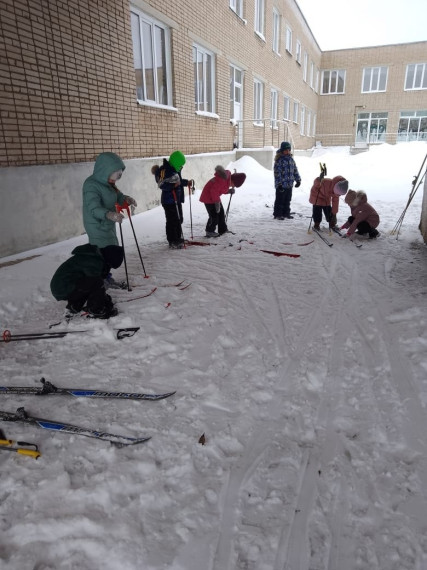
column 211, row 197
column 363, row 217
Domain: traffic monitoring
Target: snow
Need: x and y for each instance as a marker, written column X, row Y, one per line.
column 307, row 377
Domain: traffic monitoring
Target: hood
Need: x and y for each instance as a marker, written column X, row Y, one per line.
column 337, row 179
column 86, row 249
column 224, row 175
column 106, row 163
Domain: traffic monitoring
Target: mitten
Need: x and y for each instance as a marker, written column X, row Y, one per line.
column 131, row 201
column 298, row 184
column 344, row 226
column 217, row 207
column 280, row 188
column 232, row 191
column 115, row 217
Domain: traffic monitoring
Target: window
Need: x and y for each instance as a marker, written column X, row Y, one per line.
column 276, row 31
column 308, row 123
column 374, row 79
column 237, row 6
column 416, row 76
column 371, row 127
column 333, row 81
column 286, row 108
column 316, row 85
column 305, row 68
column 151, row 57
column 312, row 75
column 273, row 109
column 296, row 111
column 204, row 80
column 236, row 91
column 298, row 51
column 288, row 39
column 412, row 126
column 259, row 16
column 313, row 126
column 302, row 124
column 258, row 101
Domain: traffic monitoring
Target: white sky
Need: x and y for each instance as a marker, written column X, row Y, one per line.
column 338, row 24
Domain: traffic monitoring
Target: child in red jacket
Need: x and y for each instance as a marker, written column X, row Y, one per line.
column 220, row 184
column 324, row 196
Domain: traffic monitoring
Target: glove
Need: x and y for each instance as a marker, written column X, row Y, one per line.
column 232, row 191
column 298, row 184
column 344, row 226
column 115, row 217
column 280, row 188
column 131, row 201
column 217, row 207
column 191, row 186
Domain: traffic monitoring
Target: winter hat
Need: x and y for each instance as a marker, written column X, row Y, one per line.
column 113, row 255
column 285, row 146
column 350, row 197
column 341, row 187
column 177, row 160
column 222, row 173
column 237, row 179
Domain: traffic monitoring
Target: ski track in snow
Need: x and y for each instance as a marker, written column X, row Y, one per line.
column 305, row 375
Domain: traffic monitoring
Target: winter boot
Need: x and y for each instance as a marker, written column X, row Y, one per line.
column 373, row 234
column 212, row 234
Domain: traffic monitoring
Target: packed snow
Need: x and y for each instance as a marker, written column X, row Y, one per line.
column 306, row 377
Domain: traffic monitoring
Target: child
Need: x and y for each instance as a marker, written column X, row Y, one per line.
column 324, row 196
column 80, row 280
column 100, row 195
column 211, row 198
column 364, row 219
column 285, row 174
column 170, row 182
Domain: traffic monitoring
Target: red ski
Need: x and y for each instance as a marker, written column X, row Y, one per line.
column 280, row 253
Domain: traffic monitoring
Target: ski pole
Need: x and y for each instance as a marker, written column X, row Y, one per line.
column 118, row 209
column 6, row 445
column 228, row 208
column 191, row 189
column 324, row 172
column 177, row 213
column 126, row 205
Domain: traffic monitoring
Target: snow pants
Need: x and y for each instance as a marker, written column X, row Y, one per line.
column 216, row 219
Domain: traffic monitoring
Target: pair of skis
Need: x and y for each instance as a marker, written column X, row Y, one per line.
column 49, row 389
column 338, row 232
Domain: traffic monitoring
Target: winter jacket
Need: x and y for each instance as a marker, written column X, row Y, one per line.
column 100, row 197
column 87, row 261
column 215, row 187
column 363, row 212
column 322, row 193
column 170, row 181
column 285, row 171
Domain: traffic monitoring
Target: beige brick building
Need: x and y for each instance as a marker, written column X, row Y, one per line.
column 147, row 77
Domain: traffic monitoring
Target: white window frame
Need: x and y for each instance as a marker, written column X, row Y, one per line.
column 260, row 17
column 305, row 67
column 237, row 7
column 308, row 123
column 419, row 76
column 289, row 39
column 258, row 102
column 274, row 104
column 316, row 85
column 204, row 104
column 334, row 74
column 313, row 125
column 296, row 112
column 312, row 75
column 286, row 107
column 141, row 94
column 298, row 51
column 375, row 75
column 276, row 31
column 302, row 123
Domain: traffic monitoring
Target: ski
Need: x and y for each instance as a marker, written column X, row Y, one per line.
column 328, row 243
column 139, row 296
column 7, row 336
column 22, row 416
column 280, row 253
column 299, row 244
column 339, row 232
column 165, row 285
column 49, row 389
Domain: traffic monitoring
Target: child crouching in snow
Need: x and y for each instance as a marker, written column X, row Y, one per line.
column 364, row 218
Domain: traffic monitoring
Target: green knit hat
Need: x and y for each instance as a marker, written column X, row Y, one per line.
column 177, row 160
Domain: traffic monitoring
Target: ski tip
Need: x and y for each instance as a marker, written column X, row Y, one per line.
column 135, row 441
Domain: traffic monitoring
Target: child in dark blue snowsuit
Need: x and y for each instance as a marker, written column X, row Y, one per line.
column 285, row 174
